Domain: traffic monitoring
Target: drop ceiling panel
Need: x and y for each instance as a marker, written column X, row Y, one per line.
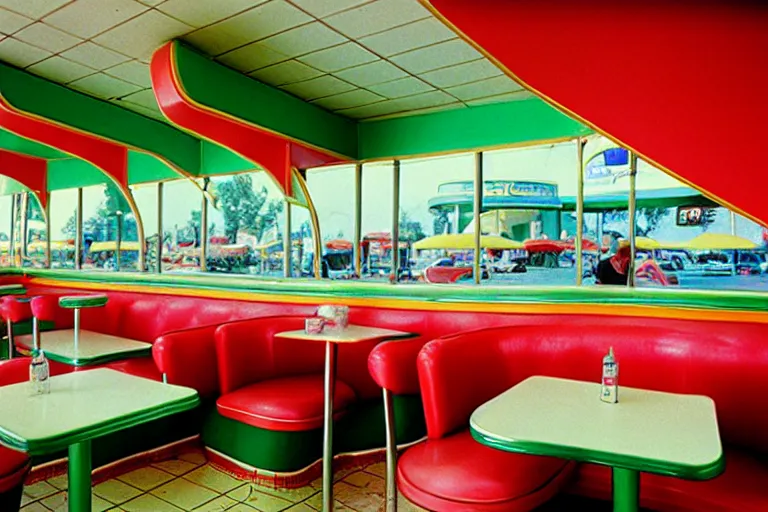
column 286, row 73
column 60, row 70
column 488, row 87
column 355, row 98
column 21, row 54
column 339, row 57
column 86, row 18
column 132, row 71
column 424, row 100
column 441, row 55
column 257, row 23
column 252, row 56
column 502, row 98
column 151, row 3
column 373, row 110
column 33, row 8
column 377, row 17
column 104, row 86
column 153, row 113
column 407, row 86
column 462, row 73
column 145, row 98
column 318, row 87
column 408, row 37
column 304, row 39
column 94, row 56
column 47, row 38
column 140, row 36
column 10, row 22
column 199, row 13
column 374, row 72
column 323, row 8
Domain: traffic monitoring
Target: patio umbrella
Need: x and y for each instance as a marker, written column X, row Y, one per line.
column 466, row 241
column 715, row 242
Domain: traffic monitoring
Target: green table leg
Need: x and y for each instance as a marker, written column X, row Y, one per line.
column 80, row 477
column 626, row 490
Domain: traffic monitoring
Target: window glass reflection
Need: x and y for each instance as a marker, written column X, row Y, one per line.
column 6, row 216
column 182, row 214
column 63, row 213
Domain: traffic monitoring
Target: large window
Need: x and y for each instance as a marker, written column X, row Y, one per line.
column 377, row 194
column 528, row 204
column 63, row 219
column 182, row 214
column 333, row 194
column 145, row 197
column 6, row 218
column 110, row 232
column 245, row 228
column 33, row 232
column 436, row 199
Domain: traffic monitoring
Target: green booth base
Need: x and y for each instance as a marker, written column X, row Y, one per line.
column 134, row 440
column 361, row 428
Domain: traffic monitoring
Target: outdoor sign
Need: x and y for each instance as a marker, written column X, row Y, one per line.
column 505, row 188
column 690, row 215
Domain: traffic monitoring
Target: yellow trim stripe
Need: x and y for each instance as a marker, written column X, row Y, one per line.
column 627, row 310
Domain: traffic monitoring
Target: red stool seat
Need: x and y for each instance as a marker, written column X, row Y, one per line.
column 458, row 473
column 15, row 310
column 44, row 307
column 287, row 403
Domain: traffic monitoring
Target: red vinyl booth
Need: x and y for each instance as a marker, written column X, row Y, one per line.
column 451, row 471
column 14, row 465
column 277, row 384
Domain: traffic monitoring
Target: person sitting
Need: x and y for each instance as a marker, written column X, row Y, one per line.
column 614, row 269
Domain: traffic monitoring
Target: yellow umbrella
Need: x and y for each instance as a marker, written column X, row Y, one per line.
column 646, row 244
column 112, row 245
column 466, row 241
column 715, row 242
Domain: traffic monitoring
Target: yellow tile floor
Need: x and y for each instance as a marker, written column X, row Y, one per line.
column 189, row 483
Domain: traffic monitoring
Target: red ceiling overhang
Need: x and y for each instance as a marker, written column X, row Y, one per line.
column 111, row 158
column 680, row 83
column 28, row 170
column 274, row 152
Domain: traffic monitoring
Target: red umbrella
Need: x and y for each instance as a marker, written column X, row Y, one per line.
column 338, row 245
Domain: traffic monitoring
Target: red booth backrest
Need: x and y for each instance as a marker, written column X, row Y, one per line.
column 248, row 352
column 459, row 373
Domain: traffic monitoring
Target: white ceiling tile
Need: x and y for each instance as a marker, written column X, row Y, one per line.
column 94, row 56
column 145, row 98
column 257, row 23
column 47, row 38
column 408, row 37
column 355, row 98
column 20, row 53
column 377, row 17
column 407, row 86
column 285, row 73
column 372, row 73
column 420, row 111
column 305, row 39
column 322, row 8
column 424, row 100
column 142, row 35
column 200, row 13
column 104, row 86
column 252, row 56
column 35, row 9
column 488, row 87
column 440, row 55
column 86, row 18
column 151, row 3
column 375, row 109
column 60, row 70
column 318, row 87
column 339, row 57
column 132, row 71
column 462, row 73
column 502, row 98
column 10, row 22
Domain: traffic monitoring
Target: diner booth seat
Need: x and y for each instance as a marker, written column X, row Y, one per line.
column 270, row 411
column 457, row 373
column 14, row 465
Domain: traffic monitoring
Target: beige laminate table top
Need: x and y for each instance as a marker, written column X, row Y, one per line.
column 647, row 430
column 93, row 347
column 352, row 334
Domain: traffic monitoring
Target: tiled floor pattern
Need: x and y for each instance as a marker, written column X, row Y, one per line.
column 189, row 483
